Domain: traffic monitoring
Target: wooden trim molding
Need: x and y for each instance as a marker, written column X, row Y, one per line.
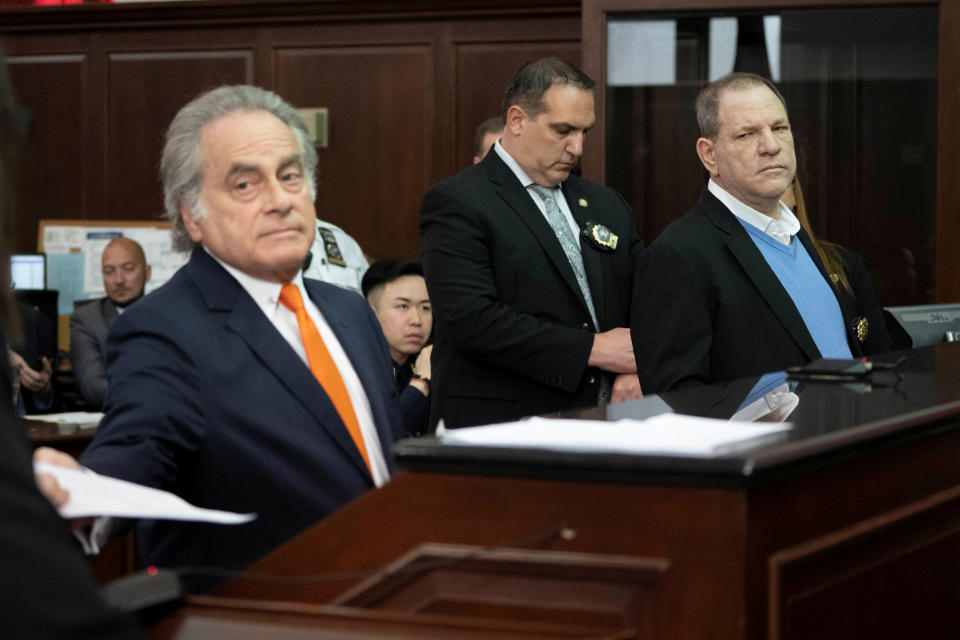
column 14, row 19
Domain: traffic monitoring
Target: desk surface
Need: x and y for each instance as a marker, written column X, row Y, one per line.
column 848, row 529
column 832, row 421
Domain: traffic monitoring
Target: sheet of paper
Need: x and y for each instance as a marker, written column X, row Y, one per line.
column 665, row 434
column 94, row 495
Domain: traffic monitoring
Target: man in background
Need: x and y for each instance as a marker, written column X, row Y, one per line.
column 33, row 359
column 735, row 287
column 335, row 257
column 125, row 274
column 487, row 133
column 529, row 268
column 397, row 291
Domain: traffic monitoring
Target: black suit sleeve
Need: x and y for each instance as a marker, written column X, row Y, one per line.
column 468, row 309
column 868, row 305
column 671, row 323
column 144, row 435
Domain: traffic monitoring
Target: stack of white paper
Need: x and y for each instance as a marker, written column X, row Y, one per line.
column 665, row 434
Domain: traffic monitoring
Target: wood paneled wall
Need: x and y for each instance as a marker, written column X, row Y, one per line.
column 405, row 82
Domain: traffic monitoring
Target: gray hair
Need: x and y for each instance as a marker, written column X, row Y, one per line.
column 181, row 167
column 534, row 79
column 708, row 100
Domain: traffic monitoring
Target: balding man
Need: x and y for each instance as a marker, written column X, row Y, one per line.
column 125, row 274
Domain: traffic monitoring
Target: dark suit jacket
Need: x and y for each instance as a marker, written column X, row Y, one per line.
column 89, row 326
column 47, row 590
column 414, row 406
column 708, row 308
column 207, row 399
column 867, row 304
column 512, row 332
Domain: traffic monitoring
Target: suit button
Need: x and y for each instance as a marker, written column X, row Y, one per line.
column 585, row 326
column 592, row 379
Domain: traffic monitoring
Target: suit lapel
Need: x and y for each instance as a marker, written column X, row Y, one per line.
column 508, row 187
column 355, row 343
column 759, row 272
column 848, row 308
column 245, row 319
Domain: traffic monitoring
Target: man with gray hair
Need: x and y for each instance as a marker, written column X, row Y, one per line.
column 530, row 268
column 735, row 287
column 240, row 385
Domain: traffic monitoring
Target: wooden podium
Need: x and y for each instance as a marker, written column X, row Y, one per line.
column 850, row 528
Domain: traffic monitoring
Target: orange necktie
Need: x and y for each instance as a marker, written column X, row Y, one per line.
column 323, row 367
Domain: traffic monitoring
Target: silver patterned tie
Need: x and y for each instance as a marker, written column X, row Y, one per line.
column 568, row 241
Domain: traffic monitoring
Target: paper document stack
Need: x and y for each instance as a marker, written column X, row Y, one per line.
column 665, row 434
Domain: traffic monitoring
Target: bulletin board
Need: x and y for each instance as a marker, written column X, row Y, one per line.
column 73, row 249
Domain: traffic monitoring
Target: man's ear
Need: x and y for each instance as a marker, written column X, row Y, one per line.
column 191, row 224
column 516, row 116
column 706, row 149
column 146, row 273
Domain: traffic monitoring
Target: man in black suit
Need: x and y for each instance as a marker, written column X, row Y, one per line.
column 735, row 287
column 529, row 268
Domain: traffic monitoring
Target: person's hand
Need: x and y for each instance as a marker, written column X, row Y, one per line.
column 613, row 351
column 48, row 485
column 421, row 367
column 626, row 386
column 30, row 378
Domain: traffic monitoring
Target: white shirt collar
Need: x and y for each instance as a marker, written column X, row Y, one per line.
column 782, row 230
column 264, row 292
column 522, row 176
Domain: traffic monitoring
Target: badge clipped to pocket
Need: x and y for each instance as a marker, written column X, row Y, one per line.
column 599, row 236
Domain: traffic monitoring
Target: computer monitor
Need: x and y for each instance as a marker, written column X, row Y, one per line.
column 28, row 270
column 929, row 323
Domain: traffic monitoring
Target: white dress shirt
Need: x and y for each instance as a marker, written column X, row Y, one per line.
column 782, row 230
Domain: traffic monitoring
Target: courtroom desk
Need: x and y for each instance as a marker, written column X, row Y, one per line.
column 49, row 434
column 848, row 528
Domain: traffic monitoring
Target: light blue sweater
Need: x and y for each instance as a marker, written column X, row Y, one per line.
column 810, row 292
